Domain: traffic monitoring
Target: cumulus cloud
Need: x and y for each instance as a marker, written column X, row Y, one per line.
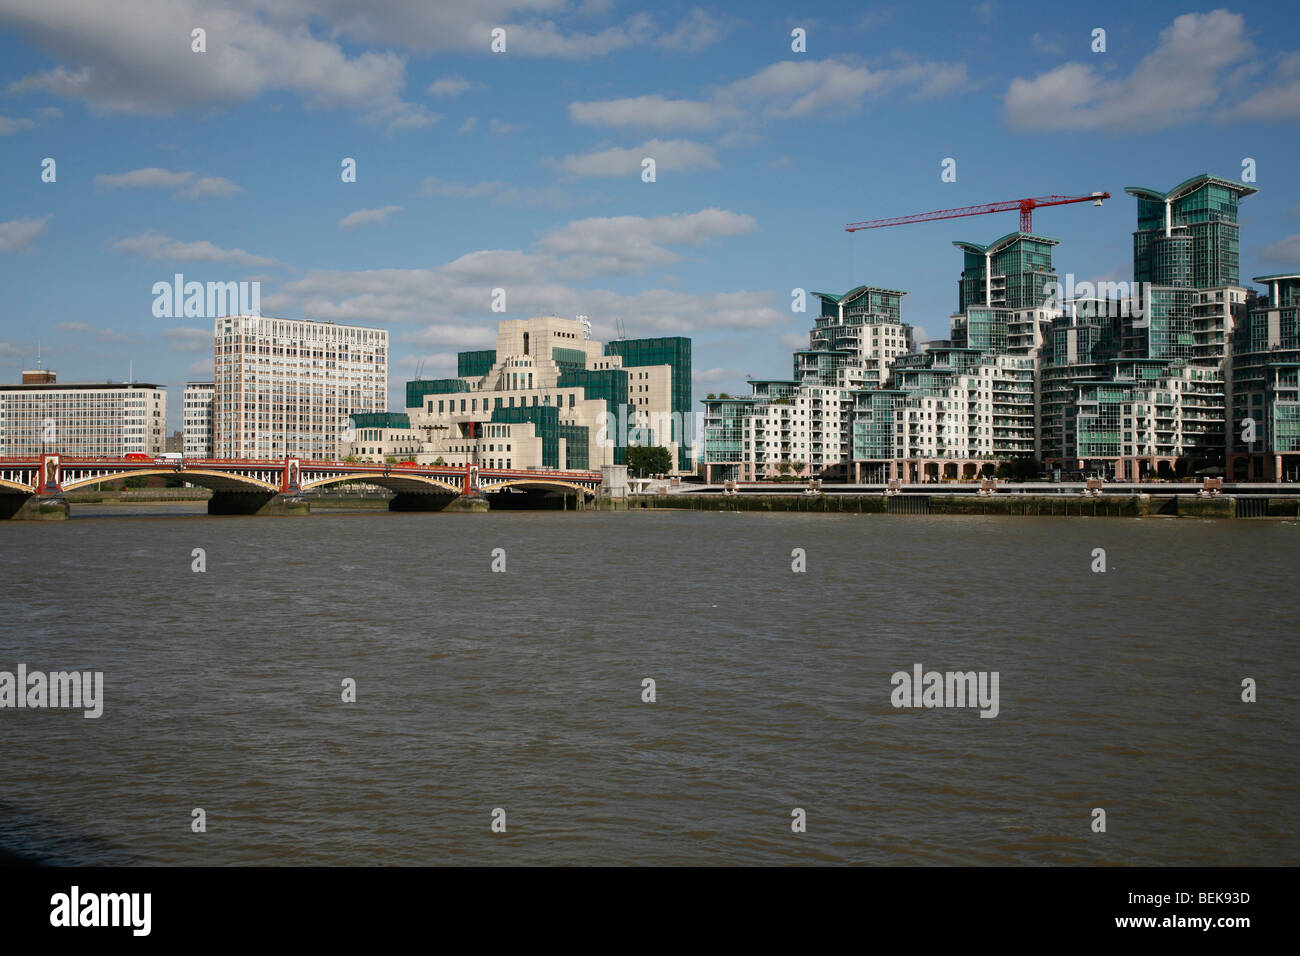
column 450, row 86
column 134, row 56
column 1196, row 63
column 17, row 234
column 628, row 244
column 1285, row 251
column 152, row 245
column 672, row 154
column 651, row 112
column 9, row 126
column 464, row 336
column 368, row 217
column 449, row 297
column 188, row 339
column 503, row 194
column 188, row 184
column 103, row 336
column 789, row 89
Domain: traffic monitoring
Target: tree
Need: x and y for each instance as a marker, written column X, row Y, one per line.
column 438, row 462
column 798, row 466
column 643, row 461
column 783, row 467
column 136, row 481
column 711, row 396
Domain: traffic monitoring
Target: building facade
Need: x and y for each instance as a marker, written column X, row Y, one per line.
column 546, row 397
column 94, row 420
column 197, row 421
column 1142, row 379
column 287, row 387
column 1264, row 433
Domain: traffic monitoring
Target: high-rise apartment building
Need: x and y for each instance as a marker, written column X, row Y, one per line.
column 286, row 387
column 93, row 420
column 197, row 421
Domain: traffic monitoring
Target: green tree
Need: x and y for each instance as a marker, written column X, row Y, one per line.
column 643, row 461
column 137, row 481
column 438, row 462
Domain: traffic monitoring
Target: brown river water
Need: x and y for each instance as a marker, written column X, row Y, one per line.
column 522, row 690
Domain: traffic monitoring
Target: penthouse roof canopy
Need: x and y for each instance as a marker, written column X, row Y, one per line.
column 1190, row 186
column 997, row 245
column 856, row 292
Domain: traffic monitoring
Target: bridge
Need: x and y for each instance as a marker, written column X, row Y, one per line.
column 34, row 487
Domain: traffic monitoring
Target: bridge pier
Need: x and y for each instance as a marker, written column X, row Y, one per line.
column 256, row 503
column 410, row 501
column 468, row 503
column 33, row 507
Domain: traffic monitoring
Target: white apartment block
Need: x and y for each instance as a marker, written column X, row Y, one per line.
column 197, row 422
column 95, row 420
column 286, row 387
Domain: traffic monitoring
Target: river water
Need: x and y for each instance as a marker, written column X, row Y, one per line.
column 522, row 691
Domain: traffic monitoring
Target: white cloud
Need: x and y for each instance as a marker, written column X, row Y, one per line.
column 452, row 295
column 673, row 154
column 1179, row 81
column 134, row 56
column 632, row 244
column 1043, row 45
column 502, row 194
column 189, row 339
column 718, row 376
column 651, row 112
column 210, row 186
column 101, row 335
column 788, row 89
column 1279, row 101
column 697, row 31
column 1286, row 251
column 460, row 335
column 450, row 86
column 368, row 217
column 427, row 364
column 468, row 125
column 189, row 184
column 10, row 126
column 17, row 234
column 152, row 245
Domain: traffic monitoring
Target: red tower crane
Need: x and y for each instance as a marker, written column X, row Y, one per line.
column 1026, row 207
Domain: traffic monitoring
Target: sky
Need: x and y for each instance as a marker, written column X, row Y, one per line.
column 522, row 169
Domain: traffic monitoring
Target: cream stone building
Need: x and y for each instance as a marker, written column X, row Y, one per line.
column 546, row 397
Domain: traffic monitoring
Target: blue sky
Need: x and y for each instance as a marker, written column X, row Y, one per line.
column 522, row 170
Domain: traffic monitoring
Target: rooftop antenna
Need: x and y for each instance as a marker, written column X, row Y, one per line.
column 38, row 353
column 622, row 329
column 586, row 326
